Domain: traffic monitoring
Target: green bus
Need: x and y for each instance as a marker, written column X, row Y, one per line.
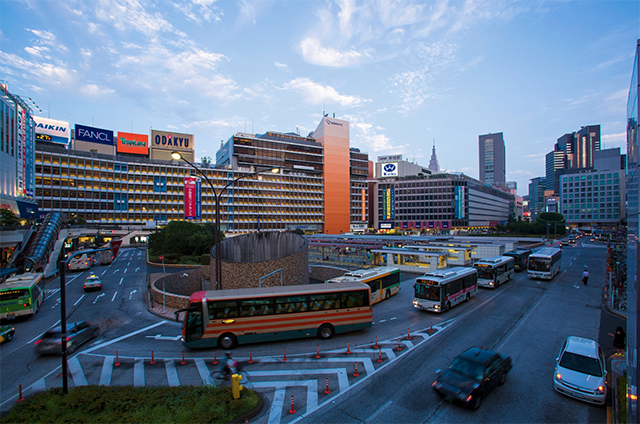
column 384, row 281
column 21, row 295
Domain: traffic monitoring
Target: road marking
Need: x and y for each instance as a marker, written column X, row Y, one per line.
column 125, row 270
column 382, row 320
column 138, row 372
column 41, row 334
column 107, row 370
column 105, row 271
column 98, row 297
column 205, row 374
column 76, row 372
column 134, row 333
column 375, row 414
column 114, row 296
column 172, row 373
column 78, row 301
column 116, row 270
column 121, row 280
column 392, row 318
column 132, row 293
column 57, row 303
column 50, row 293
column 71, row 280
column 161, row 337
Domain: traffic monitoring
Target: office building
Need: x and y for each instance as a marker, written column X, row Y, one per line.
column 492, row 159
column 572, row 151
column 434, row 203
column 536, row 197
column 434, row 166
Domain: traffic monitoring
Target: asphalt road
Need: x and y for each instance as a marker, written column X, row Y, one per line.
column 525, row 319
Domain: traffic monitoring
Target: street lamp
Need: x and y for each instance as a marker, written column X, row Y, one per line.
column 217, row 196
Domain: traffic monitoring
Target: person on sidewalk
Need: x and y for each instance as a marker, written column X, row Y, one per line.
column 585, row 276
column 619, row 340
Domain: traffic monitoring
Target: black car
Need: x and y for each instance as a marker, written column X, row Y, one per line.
column 472, row 375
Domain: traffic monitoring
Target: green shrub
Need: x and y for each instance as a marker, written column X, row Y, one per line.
column 101, row 404
column 205, row 259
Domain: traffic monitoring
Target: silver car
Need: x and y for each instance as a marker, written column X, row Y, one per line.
column 580, row 371
column 77, row 334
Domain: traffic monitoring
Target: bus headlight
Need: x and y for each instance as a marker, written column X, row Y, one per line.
column 436, row 307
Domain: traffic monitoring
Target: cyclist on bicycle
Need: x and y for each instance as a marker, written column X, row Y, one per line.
column 228, row 366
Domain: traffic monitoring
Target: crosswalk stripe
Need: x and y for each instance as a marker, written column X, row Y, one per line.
column 172, row 373
column 343, row 380
column 107, row 370
column 278, row 398
column 275, row 413
column 39, row 385
column 76, row 372
column 204, row 372
column 138, row 372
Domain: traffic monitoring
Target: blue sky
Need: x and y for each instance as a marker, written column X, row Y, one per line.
column 402, row 72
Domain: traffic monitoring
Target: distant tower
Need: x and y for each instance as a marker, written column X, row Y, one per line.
column 434, row 166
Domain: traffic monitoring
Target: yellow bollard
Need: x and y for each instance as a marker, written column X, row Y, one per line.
column 236, row 386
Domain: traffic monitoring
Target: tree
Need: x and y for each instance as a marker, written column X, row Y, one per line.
column 206, row 161
column 8, row 218
column 184, row 238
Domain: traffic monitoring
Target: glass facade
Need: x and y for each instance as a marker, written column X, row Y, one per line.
column 595, row 198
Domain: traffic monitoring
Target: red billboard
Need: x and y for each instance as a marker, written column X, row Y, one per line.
column 137, row 144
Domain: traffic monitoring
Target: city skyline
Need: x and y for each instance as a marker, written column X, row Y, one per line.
column 402, row 73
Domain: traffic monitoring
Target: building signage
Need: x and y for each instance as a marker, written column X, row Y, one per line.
column 330, row 122
column 171, row 141
column 388, row 204
column 94, row 135
column 364, row 205
column 390, row 170
column 191, row 197
column 52, row 130
column 391, row 158
column 21, row 165
column 386, row 225
column 459, row 202
column 137, row 144
column 359, row 228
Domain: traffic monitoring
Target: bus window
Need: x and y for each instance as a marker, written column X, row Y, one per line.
column 291, row 304
column 251, row 308
column 222, row 310
column 353, row 299
column 325, row 301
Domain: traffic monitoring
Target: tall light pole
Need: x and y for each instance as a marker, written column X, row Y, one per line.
column 217, row 196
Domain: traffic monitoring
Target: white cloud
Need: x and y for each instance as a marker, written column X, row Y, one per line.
column 95, row 91
column 315, row 54
column 199, row 11
column 316, row 94
column 615, row 138
column 282, row 67
column 46, row 74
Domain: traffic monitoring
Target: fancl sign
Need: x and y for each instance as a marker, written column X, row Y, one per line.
column 94, row 135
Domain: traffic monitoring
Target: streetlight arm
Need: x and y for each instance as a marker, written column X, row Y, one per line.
column 201, row 173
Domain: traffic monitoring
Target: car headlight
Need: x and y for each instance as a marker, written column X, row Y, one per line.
column 558, row 377
column 600, row 390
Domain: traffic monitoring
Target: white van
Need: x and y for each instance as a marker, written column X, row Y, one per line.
column 84, row 261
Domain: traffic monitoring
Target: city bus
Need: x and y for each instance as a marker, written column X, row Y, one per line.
column 438, row 291
column 384, row 281
column 226, row 318
column 494, row 271
column 21, row 295
column 520, row 257
column 545, row 263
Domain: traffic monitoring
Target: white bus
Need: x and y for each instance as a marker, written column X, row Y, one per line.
column 384, row 281
column 494, row 271
column 545, row 263
column 438, row 291
column 82, row 262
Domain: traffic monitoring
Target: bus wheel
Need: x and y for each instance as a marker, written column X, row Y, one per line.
column 447, row 306
column 387, row 294
column 227, row 341
column 467, row 297
column 325, row 331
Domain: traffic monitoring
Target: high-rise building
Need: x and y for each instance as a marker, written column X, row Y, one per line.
column 572, row 151
column 492, row 159
column 434, row 166
column 536, row 196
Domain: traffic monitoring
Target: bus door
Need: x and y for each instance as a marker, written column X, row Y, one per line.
column 194, row 323
column 376, row 290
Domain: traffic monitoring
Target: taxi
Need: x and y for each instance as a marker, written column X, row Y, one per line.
column 92, row 282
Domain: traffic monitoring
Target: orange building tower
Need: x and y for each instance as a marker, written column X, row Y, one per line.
column 333, row 135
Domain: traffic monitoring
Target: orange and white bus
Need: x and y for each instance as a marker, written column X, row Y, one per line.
column 226, row 318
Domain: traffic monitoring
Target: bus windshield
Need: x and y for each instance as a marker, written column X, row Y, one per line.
column 485, row 272
column 427, row 291
column 539, row 264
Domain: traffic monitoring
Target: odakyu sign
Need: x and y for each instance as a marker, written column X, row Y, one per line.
column 94, row 135
column 165, row 140
column 137, row 144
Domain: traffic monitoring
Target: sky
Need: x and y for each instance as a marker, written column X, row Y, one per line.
column 403, row 73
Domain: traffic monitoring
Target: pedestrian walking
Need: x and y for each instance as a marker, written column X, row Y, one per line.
column 619, row 340
column 585, row 276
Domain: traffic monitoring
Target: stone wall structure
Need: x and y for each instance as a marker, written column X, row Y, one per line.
column 247, row 258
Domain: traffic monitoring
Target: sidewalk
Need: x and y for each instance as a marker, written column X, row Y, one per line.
column 618, row 366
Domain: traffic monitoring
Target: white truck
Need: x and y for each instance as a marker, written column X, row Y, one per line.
column 106, row 257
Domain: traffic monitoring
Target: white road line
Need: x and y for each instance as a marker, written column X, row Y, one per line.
column 105, row 271
column 205, row 374
column 76, row 372
column 121, row 280
column 172, row 373
column 343, row 380
column 126, row 336
column 78, row 301
column 382, row 320
column 125, row 270
column 107, row 370
column 378, row 411
column 392, row 318
column 114, row 296
column 138, row 372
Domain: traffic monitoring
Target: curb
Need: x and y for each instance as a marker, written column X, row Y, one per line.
column 252, row 413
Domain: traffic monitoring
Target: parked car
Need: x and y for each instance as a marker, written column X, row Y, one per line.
column 77, row 334
column 472, row 375
column 6, row 333
column 92, row 282
column 580, row 371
